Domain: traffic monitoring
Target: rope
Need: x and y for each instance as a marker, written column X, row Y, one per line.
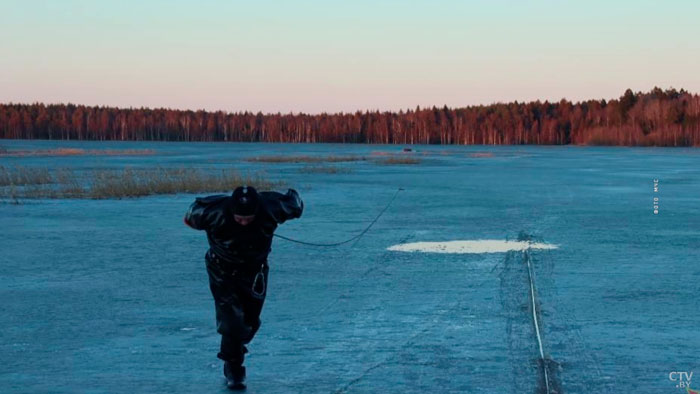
column 347, row 240
column 534, row 319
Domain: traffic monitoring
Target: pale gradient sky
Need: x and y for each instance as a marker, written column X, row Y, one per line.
column 316, row 56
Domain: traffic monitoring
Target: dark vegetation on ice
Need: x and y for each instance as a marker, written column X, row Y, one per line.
column 4, row 152
column 388, row 158
column 28, row 182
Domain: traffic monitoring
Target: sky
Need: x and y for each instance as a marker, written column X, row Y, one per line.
column 342, row 56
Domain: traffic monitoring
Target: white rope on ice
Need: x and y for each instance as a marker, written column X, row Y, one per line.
column 534, row 319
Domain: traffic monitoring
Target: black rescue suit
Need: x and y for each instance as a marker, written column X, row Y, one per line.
column 237, row 262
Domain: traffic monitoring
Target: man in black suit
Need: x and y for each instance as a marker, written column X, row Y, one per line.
column 239, row 230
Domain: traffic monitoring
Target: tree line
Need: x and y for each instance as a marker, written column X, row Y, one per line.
column 656, row 118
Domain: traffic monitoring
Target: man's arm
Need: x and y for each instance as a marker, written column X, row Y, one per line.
column 205, row 212
column 283, row 207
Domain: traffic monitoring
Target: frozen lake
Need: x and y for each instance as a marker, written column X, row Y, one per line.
column 111, row 296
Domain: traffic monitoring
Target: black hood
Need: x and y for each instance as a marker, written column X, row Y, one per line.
column 245, row 201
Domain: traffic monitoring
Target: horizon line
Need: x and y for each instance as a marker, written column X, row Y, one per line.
column 367, row 110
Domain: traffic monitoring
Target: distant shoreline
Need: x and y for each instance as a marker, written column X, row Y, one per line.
column 664, row 118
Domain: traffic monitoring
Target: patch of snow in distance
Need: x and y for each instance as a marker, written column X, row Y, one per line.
column 475, row 246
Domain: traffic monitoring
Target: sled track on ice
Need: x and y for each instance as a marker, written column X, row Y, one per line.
column 530, row 363
column 534, row 327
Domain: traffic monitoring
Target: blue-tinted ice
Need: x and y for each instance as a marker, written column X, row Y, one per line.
column 111, row 296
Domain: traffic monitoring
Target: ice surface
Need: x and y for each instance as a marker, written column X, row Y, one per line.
column 112, row 296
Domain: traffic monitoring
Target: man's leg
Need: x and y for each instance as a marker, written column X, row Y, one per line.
column 248, row 308
column 253, row 304
column 232, row 352
column 230, row 313
column 238, row 311
column 232, row 349
column 230, row 323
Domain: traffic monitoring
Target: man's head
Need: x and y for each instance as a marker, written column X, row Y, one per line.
column 245, row 204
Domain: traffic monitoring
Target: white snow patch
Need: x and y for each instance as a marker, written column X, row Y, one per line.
column 475, row 246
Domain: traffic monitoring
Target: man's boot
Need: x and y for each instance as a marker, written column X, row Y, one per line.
column 235, row 375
